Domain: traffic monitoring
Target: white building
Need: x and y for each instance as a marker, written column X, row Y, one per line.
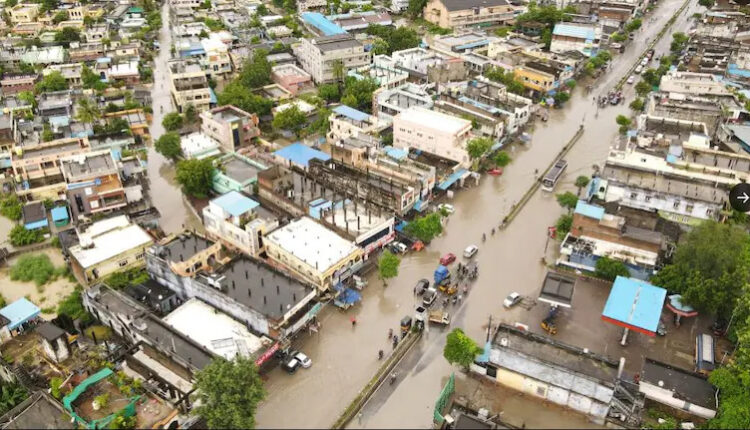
column 345, row 121
column 697, row 84
column 433, row 132
column 199, row 146
column 576, row 37
column 390, row 102
column 234, row 220
column 319, row 56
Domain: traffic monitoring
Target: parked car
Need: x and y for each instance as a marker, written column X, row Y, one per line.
column 631, row 79
column 497, row 171
column 291, row 365
column 638, row 69
column 429, row 297
column 422, row 286
column 645, row 61
column 447, row 259
column 398, row 248
column 513, row 299
column 304, row 360
column 445, row 207
column 471, row 251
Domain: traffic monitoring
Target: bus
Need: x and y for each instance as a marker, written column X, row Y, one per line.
column 553, row 175
column 705, row 351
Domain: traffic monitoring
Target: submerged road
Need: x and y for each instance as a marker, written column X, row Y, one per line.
column 345, row 358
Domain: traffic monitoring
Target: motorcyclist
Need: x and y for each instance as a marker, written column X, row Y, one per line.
column 484, row 237
column 380, row 354
column 393, row 377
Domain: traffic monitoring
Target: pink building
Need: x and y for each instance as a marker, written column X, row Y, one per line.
column 291, row 78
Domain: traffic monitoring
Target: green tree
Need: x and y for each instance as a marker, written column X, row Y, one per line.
column 19, row 236
column 168, row 145
column 191, row 114
column 561, row 97
column 11, row 207
column 122, row 422
column 564, row 224
column 67, row 35
column 460, row 349
column 380, row 47
column 262, row 10
column 11, row 394
column 425, row 228
column 61, row 16
column 87, row 111
column 33, row 267
column 329, row 92
column 172, row 121
column 388, row 266
column 228, row 393
column 48, row 5
column 291, row 119
column 54, row 385
column 54, row 81
column 478, row 146
column 567, row 200
column 415, row 7
column 47, row 134
column 502, row 31
column 610, row 269
column 322, row 124
column 633, row 25
column 642, row 88
column 652, row 77
column 679, row 41
column 28, row 98
column 91, row 80
column 710, row 268
column 506, row 78
column 623, row 122
column 706, row 3
column 195, row 177
column 502, row 159
column 239, row 95
column 358, row 93
column 618, row 37
column 395, row 40
column 338, row 71
column 637, row 105
column 72, row 306
column 581, row 183
column 256, row 71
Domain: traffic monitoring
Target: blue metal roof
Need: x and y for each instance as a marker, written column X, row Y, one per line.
column 471, row 45
column 235, row 203
column 589, row 210
column 59, row 213
column 733, row 69
column 351, row 113
column 213, row 99
column 635, row 304
column 320, row 22
column 452, row 179
column 301, row 154
column 395, row 153
column 19, row 312
column 576, row 31
column 36, row 224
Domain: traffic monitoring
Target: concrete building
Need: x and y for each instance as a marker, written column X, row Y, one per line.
column 390, row 102
column 492, row 97
column 189, row 85
column 382, row 72
column 463, row 43
column 38, row 168
column 199, row 146
column 54, row 342
column 459, row 14
column 426, row 65
column 292, row 78
column 314, row 253
column 538, row 77
column 680, row 390
column 232, row 127
column 14, row 84
column 236, row 221
column 24, row 13
column 216, row 61
column 108, row 246
column 433, row 132
column 235, row 172
column 345, row 122
column 319, row 56
column 575, row 37
column 93, row 184
column 71, row 72
column 696, row 84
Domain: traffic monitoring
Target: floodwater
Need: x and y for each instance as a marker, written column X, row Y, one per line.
column 345, row 357
column 165, row 192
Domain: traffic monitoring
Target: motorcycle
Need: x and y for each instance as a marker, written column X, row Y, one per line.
column 393, row 377
column 380, row 354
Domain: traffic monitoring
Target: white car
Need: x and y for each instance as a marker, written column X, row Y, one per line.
column 644, row 62
column 303, row 360
column 445, row 207
column 631, row 79
column 638, row 70
column 512, row 300
column 471, row 251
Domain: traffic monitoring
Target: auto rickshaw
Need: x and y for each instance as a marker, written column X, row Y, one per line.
column 549, row 326
column 448, row 288
column 405, row 325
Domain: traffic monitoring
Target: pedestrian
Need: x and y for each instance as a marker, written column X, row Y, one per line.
column 460, row 298
column 354, row 321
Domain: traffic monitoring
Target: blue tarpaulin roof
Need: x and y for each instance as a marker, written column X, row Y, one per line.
column 19, row 312
column 322, row 24
column 301, row 154
column 235, row 203
column 635, row 304
column 472, row 45
column 452, row 179
column 396, row 153
column 576, row 31
column 589, row 210
column 351, row 113
column 349, row 296
column 213, row 99
column 735, row 70
column 59, row 213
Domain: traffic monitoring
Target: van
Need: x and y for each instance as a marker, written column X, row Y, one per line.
column 705, row 354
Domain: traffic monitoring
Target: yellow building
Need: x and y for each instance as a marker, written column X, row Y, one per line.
column 537, row 77
column 456, row 14
column 24, row 13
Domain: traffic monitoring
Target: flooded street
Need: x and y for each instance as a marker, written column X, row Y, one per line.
column 165, row 192
column 345, row 358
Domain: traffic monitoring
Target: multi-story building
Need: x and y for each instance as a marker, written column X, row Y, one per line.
column 234, row 219
column 232, row 127
column 697, row 84
column 494, row 97
column 71, row 72
column 433, row 132
column 216, row 61
column 305, row 5
column 93, row 183
column 576, row 37
column 390, row 102
column 323, row 57
column 14, row 84
column 345, row 121
column 457, row 14
column 291, row 78
column 193, row 4
column 38, row 168
column 189, row 85
column 538, row 77
column 24, row 13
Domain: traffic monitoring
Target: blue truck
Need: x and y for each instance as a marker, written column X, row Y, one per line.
column 442, row 274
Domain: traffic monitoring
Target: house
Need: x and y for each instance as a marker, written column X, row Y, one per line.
column 38, row 168
column 575, row 37
column 14, row 84
column 437, row 133
column 345, row 122
column 463, row 14
column 382, row 72
column 318, row 56
column 232, row 127
column 313, row 253
column 235, row 172
column 299, row 155
column 24, row 13
column 320, row 25
column 390, row 102
column 34, row 216
column 108, row 246
column 354, row 21
column 236, row 221
column 463, row 43
column 54, row 342
column 189, row 85
column 17, row 317
column 678, row 389
column 199, row 146
column 126, row 72
column 216, row 61
column 71, row 72
column 426, row 65
column 39, row 411
column 696, row 84
column 291, row 78
column 93, row 184
column 494, row 98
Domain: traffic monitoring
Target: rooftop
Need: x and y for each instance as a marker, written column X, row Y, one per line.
column 557, row 289
column 239, row 168
column 235, row 203
column 685, row 385
column 312, row 243
column 38, row 411
column 589, row 210
column 577, row 31
column 95, row 249
column 634, row 304
column 34, row 211
column 49, row 331
column 301, row 154
column 322, row 24
column 439, row 121
column 455, row 5
column 19, row 312
column 351, row 113
column 184, row 246
column 88, row 164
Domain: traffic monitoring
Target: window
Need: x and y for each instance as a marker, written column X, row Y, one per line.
column 633, row 196
column 676, row 204
column 648, row 199
column 123, row 263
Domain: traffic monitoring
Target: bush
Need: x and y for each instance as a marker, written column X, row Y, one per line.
column 172, row 121
column 33, row 267
column 563, row 225
column 11, row 207
column 72, row 306
column 19, row 236
column 502, row 159
column 610, row 269
column 124, row 279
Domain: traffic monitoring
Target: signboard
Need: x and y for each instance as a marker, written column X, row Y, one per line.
column 266, row 355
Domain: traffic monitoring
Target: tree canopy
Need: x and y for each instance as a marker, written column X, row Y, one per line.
column 55, row 81
column 172, row 121
column 195, row 177
column 581, row 182
column 239, row 95
column 291, row 119
column 425, row 228
column 567, row 200
column 478, row 146
column 87, row 111
column 506, row 78
column 228, row 393
column 168, row 145
column 460, row 349
column 610, row 269
column 67, row 35
column 502, row 159
column 394, row 40
column 256, row 71
column 358, row 93
column 710, row 267
column 388, row 265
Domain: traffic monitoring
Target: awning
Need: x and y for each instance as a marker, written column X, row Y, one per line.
column 349, row 296
column 453, row 178
column 676, row 305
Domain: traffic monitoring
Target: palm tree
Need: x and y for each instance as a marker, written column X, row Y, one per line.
column 338, row 72
column 87, row 112
column 10, row 396
column 581, row 182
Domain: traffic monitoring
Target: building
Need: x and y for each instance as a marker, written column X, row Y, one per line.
column 345, row 122
column 14, row 84
column 461, row 14
column 108, row 246
column 382, row 72
column 24, row 13
column 437, row 133
column 357, row 21
column 38, row 168
column 199, row 146
column 575, row 37
column 189, row 85
column 320, row 56
column 93, row 184
column 291, row 78
column 17, row 317
column 494, row 98
column 696, row 84
column 680, row 390
column 390, row 102
column 463, row 43
column 39, row 411
column 313, row 253
column 54, row 342
column 426, row 65
column 235, row 172
column 236, row 221
column 232, row 127
column 126, row 72
column 34, row 216
column 216, row 61
column 538, row 77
